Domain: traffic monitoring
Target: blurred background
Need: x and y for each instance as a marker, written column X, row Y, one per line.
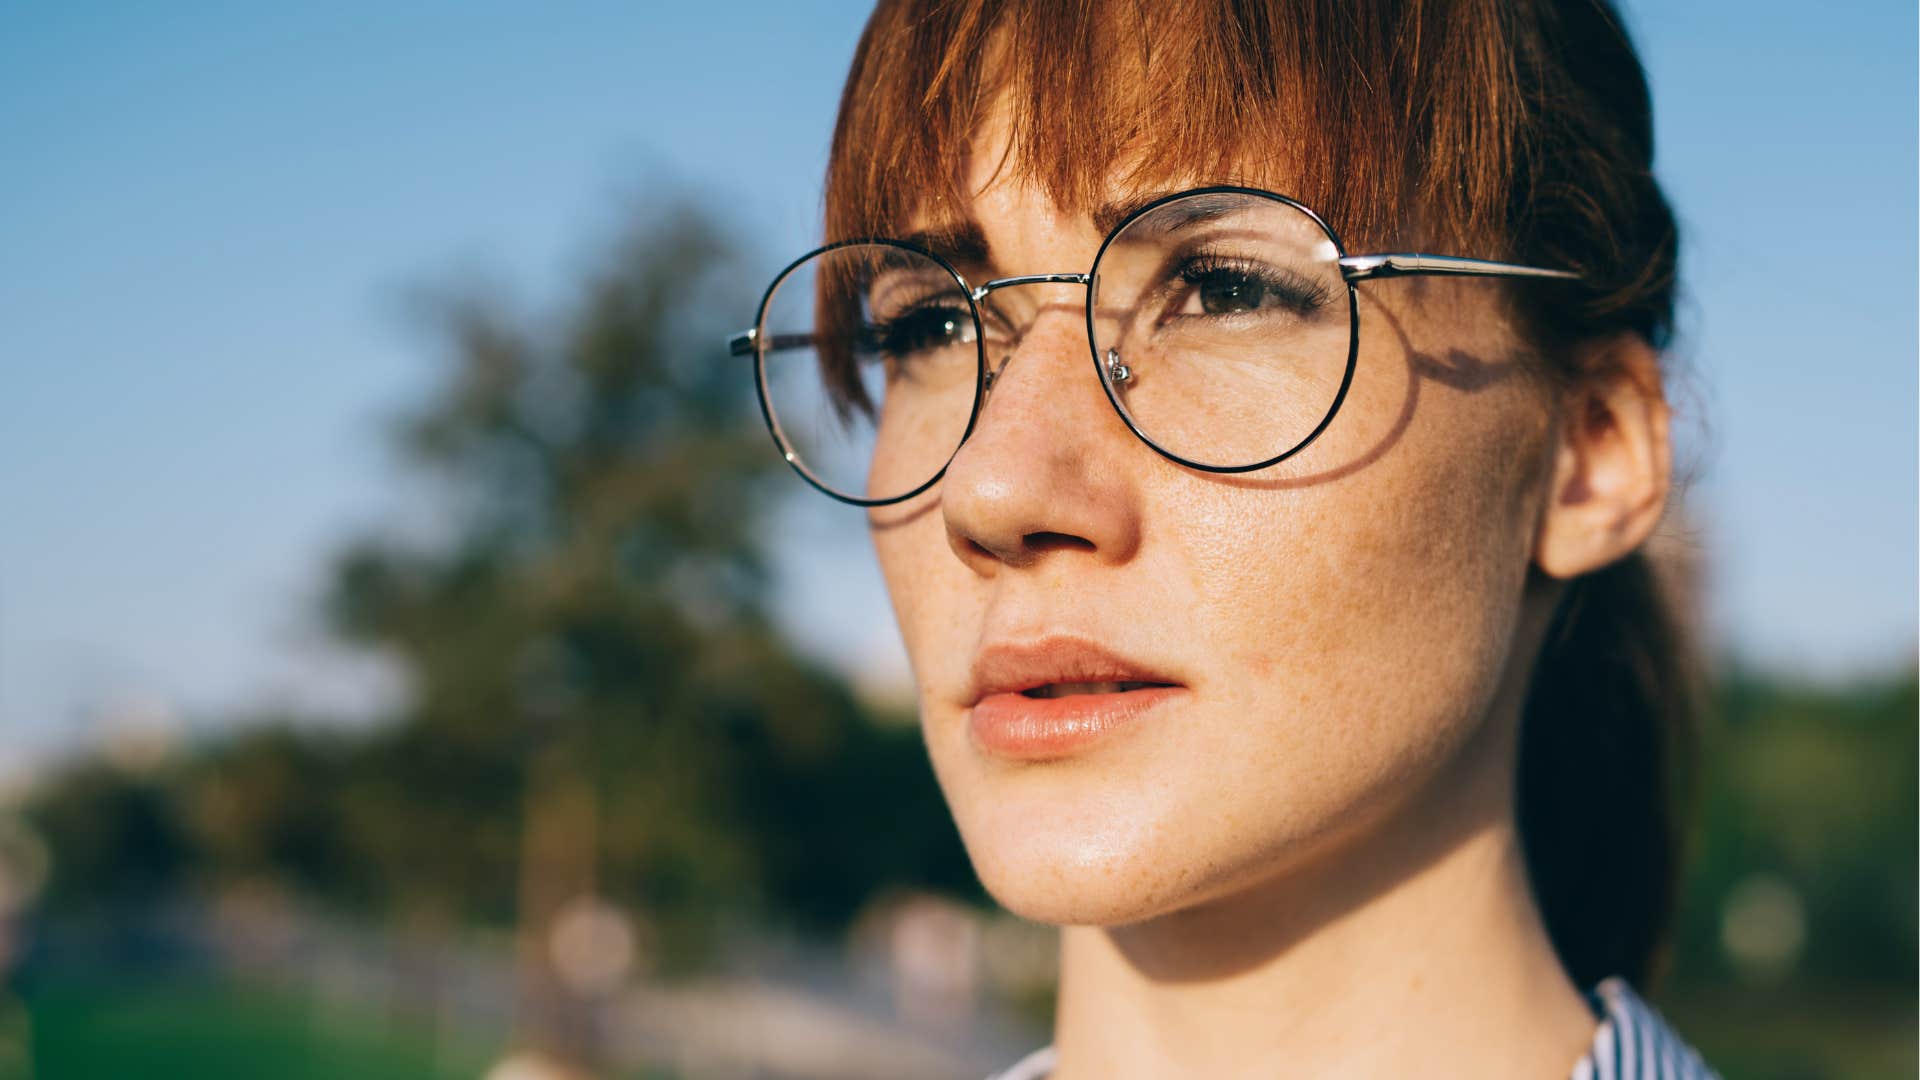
column 415, row 662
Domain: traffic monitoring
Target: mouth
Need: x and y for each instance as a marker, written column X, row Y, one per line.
column 1060, row 690
column 1057, row 696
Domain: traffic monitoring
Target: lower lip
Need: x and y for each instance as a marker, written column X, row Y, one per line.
column 1017, row 726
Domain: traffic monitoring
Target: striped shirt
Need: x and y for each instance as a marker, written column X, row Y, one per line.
column 1633, row 1042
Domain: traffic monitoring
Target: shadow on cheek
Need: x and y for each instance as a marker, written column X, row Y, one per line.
column 1456, row 369
column 882, row 519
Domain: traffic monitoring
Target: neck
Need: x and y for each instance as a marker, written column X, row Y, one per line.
column 1413, row 950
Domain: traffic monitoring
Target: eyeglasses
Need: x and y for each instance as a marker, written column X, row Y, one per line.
column 1222, row 323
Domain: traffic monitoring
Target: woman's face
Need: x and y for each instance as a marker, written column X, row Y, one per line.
column 1325, row 636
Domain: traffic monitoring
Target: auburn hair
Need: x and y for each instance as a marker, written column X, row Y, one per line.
column 1510, row 129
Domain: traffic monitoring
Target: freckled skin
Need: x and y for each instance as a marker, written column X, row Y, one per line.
column 1343, row 620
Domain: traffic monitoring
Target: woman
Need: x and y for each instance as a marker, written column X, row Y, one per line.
column 1298, row 656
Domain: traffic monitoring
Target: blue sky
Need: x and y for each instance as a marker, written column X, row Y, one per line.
column 208, row 217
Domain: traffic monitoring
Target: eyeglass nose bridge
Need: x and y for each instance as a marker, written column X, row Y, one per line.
column 980, row 293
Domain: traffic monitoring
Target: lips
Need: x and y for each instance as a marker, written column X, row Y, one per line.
column 1054, row 696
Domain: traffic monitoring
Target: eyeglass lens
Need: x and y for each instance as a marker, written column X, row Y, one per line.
column 870, row 368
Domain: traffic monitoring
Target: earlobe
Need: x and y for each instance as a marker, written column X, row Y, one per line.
column 1613, row 464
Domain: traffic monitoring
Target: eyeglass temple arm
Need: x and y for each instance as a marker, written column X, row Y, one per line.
column 1365, row 267
column 742, row 343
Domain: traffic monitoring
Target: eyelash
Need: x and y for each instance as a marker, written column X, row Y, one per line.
column 1300, row 295
column 883, row 334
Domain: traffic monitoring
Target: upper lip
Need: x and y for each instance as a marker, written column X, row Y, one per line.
column 1008, row 667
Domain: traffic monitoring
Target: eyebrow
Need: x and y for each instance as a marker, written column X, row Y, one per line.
column 1108, row 216
column 964, row 244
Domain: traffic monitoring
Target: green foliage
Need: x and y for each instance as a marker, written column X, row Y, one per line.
column 117, row 840
column 1814, row 788
column 1811, row 792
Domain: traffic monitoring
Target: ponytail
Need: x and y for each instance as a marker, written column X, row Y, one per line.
column 1607, row 751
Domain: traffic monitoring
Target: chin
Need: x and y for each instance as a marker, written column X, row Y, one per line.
column 1070, row 844
column 1078, row 881
column 1123, row 872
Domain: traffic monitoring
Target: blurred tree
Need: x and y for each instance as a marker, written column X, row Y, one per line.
column 597, row 498
column 117, row 837
column 261, row 805
column 598, row 695
column 1808, row 812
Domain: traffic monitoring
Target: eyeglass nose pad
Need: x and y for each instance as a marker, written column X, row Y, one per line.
column 1116, row 371
column 986, row 381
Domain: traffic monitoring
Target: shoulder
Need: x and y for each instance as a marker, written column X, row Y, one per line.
column 1634, row 1042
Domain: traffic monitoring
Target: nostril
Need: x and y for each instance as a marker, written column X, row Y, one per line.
column 1054, row 541
column 1022, row 552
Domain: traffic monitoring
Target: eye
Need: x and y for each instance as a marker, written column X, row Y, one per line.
column 1231, row 287
column 1222, row 292
column 921, row 329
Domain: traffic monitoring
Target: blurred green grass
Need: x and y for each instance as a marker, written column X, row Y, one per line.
column 1801, row 1033
column 83, row 1030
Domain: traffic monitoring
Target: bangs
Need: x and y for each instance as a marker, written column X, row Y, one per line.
column 1395, row 122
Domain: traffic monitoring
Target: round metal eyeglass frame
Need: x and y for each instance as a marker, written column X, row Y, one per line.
column 1354, row 269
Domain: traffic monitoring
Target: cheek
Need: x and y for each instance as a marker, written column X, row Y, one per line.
column 1398, row 576
column 1360, row 629
column 1380, row 573
column 927, row 584
column 1345, row 626
column 1383, row 617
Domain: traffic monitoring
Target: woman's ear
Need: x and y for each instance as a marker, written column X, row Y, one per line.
column 1613, row 465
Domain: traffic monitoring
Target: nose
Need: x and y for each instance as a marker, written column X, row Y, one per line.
column 1049, row 471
